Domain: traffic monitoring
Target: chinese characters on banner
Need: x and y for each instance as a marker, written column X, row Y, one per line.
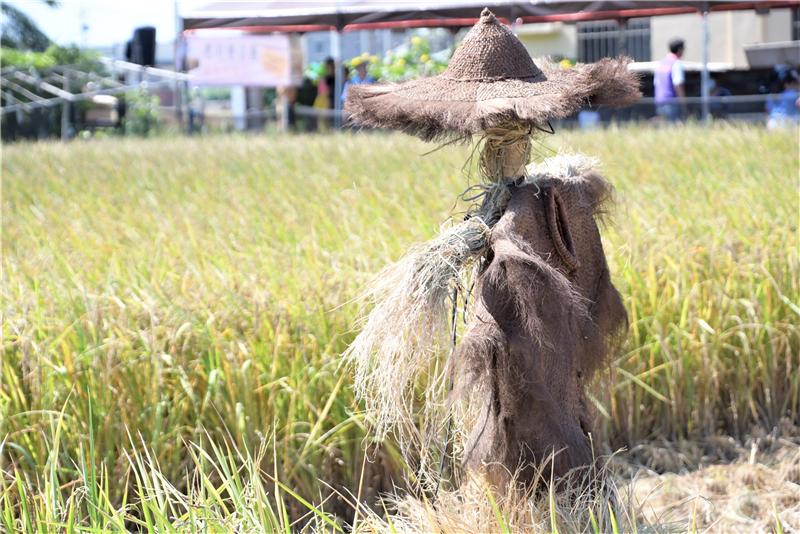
column 249, row 60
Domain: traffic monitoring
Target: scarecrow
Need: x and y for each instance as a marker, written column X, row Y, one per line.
column 528, row 256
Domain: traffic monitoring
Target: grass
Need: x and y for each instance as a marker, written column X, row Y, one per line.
column 173, row 311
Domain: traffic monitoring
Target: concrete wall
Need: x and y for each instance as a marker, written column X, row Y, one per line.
column 730, row 31
column 549, row 39
column 317, row 45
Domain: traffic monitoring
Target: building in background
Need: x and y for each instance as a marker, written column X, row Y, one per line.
column 646, row 38
column 374, row 42
column 747, row 51
column 318, row 45
column 733, row 35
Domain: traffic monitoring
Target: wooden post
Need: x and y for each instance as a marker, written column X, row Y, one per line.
column 338, row 76
column 705, row 81
column 622, row 37
column 65, row 111
column 282, row 109
column 515, row 158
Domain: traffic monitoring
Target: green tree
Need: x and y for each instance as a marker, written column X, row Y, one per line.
column 20, row 31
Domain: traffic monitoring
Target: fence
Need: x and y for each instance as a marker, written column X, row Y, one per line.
column 42, row 121
column 741, row 108
column 33, row 100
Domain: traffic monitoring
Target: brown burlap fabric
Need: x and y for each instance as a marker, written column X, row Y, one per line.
column 490, row 80
column 545, row 312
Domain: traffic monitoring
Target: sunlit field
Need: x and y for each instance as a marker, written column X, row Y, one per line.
column 173, row 312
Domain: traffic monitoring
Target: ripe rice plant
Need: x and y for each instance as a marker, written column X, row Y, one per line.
column 174, row 310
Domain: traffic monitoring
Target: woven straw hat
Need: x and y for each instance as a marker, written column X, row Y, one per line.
column 490, row 81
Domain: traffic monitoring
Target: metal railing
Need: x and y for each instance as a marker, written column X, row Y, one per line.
column 26, row 90
column 610, row 38
column 197, row 119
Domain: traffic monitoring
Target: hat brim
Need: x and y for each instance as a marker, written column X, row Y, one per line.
column 441, row 107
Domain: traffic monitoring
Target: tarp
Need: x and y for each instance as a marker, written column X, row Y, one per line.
column 311, row 15
column 344, row 15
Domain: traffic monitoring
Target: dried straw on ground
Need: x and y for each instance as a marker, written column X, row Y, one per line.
column 718, row 485
column 478, row 507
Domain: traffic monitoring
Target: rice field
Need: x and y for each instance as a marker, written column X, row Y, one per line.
column 174, row 308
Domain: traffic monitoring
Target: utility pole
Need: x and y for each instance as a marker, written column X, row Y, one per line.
column 622, row 37
column 179, row 53
column 705, row 85
column 84, row 29
column 338, row 61
column 65, row 111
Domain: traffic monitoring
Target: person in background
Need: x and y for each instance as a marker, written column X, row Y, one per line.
column 197, row 107
column 669, row 80
column 719, row 110
column 783, row 108
column 361, row 76
column 285, row 105
column 122, row 106
column 330, row 81
column 306, row 95
column 324, row 99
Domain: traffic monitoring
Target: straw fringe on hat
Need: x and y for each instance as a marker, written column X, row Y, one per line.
column 491, row 80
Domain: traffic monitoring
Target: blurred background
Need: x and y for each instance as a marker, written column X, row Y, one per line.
column 83, row 67
column 79, row 67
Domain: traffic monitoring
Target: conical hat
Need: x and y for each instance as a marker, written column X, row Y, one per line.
column 491, row 80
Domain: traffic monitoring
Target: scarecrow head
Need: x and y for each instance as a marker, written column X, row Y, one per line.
column 491, row 82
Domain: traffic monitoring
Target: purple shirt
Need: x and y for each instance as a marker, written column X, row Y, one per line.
column 662, row 80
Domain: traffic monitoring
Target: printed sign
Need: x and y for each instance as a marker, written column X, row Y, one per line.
column 251, row 60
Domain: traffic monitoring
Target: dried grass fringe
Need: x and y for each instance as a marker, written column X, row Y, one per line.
column 408, row 325
column 606, row 82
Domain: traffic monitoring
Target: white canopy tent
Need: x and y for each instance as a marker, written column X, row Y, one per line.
column 348, row 15
column 343, row 15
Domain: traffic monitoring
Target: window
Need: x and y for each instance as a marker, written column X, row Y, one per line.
column 599, row 39
column 796, row 24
